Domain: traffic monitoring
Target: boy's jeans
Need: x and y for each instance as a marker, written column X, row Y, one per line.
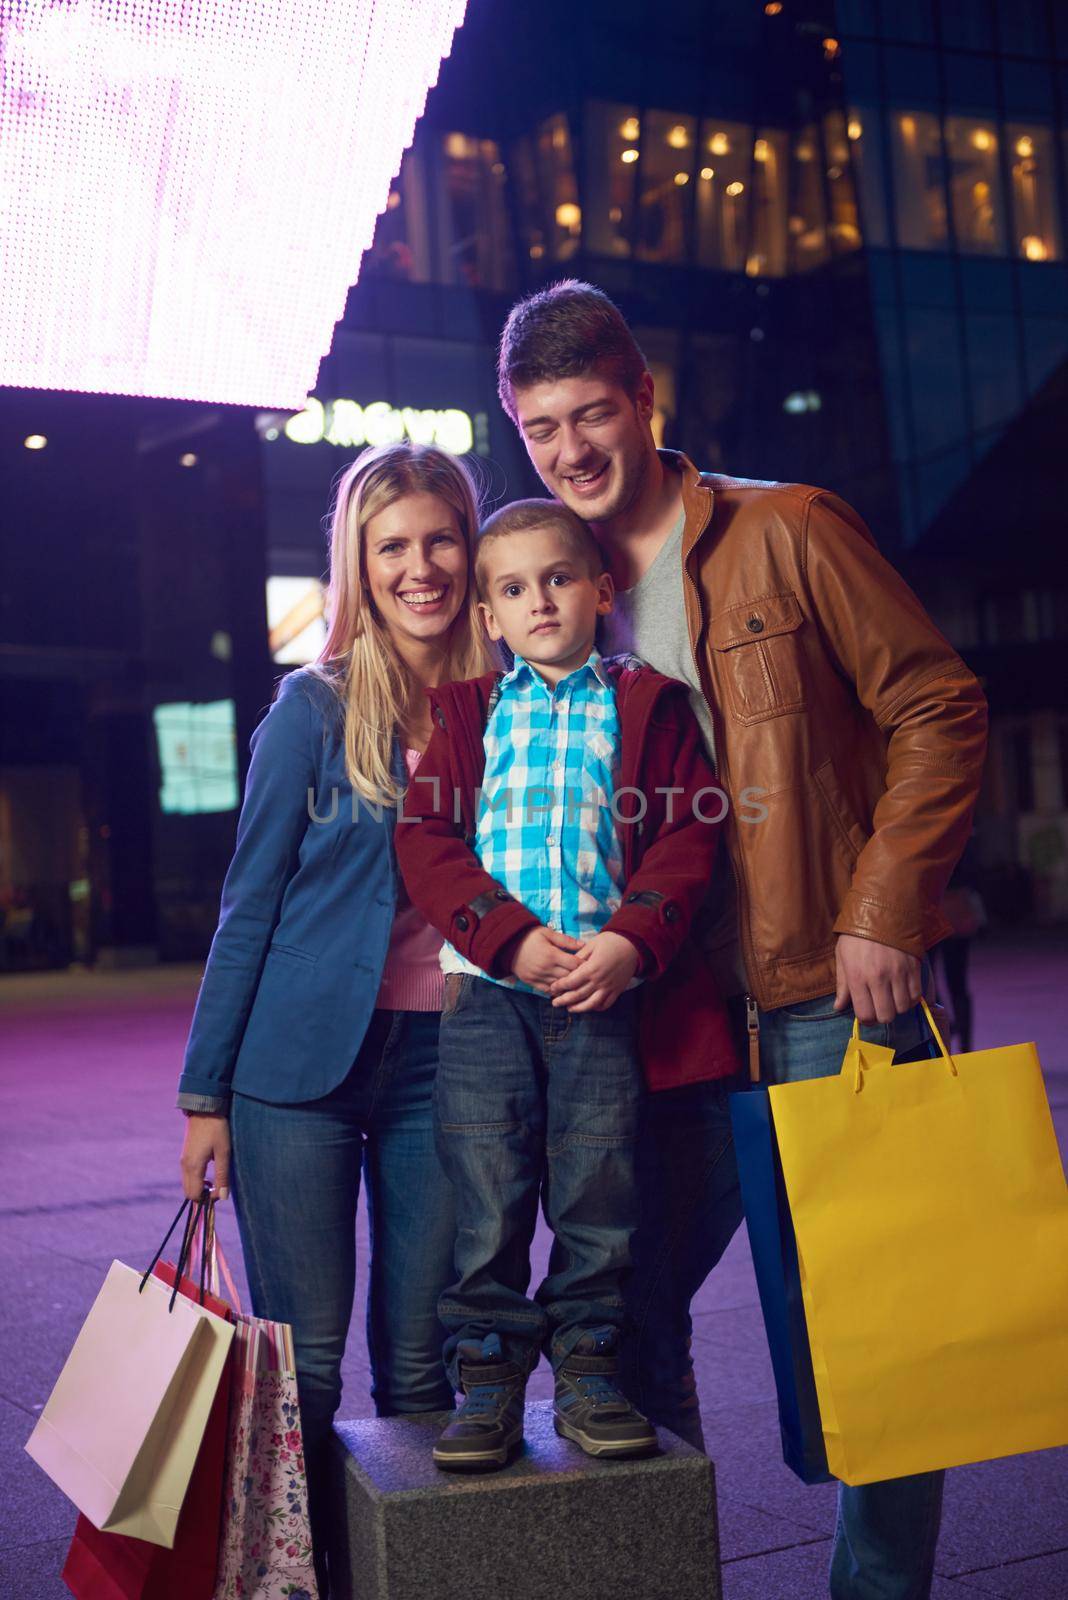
column 691, row 1205
column 532, row 1102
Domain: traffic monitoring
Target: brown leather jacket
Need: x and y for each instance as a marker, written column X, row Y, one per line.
column 834, row 693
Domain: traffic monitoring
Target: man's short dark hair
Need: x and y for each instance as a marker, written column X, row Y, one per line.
column 523, row 516
column 566, row 331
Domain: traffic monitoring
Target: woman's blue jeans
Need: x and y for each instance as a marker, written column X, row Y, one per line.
column 296, row 1177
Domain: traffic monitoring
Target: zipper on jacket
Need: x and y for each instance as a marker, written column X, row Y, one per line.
column 752, row 1028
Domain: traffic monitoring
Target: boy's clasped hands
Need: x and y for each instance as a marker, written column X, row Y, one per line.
column 579, row 974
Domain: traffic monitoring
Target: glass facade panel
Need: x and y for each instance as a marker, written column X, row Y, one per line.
column 1022, row 28
column 968, row 24
column 475, row 243
column 767, row 255
column 723, row 194
column 975, row 186
column 864, row 130
column 558, row 186
column 665, row 178
column 919, row 193
column 935, row 379
column 993, row 369
column 612, row 151
column 841, row 192
column 401, row 246
column 1036, row 226
column 808, row 213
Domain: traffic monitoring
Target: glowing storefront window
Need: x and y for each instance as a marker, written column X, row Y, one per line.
column 476, row 247
column 665, row 176
column 767, row 251
column 724, row 192
column 975, row 186
column 196, row 745
column 807, row 223
column 189, row 189
column 919, row 195
column 613, row 147
column 844, row 223
column 1036, row 226
column 864, row 133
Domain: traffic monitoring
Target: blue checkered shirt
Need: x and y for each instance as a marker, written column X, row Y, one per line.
column 545, row 827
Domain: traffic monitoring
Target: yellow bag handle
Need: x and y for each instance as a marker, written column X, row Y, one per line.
column 939, row 1041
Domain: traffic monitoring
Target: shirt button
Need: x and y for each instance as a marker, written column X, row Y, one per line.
column 461, row 923
column 755, row 625
column 551, row 839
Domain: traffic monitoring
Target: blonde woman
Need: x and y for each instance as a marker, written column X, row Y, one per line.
column 314, row 1042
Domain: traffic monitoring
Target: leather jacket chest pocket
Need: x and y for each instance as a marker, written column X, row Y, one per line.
column 758, row 657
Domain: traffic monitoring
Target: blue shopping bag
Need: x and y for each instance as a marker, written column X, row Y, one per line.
column 771, row 1240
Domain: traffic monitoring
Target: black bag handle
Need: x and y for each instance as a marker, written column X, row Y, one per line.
column 195, row 1209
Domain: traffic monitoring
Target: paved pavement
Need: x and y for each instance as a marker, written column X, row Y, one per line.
column 87, row 1069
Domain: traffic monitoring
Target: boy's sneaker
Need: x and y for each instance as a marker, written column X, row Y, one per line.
column 590, row 1410
column 487, row 1430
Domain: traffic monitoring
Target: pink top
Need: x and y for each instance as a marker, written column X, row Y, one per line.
column 411, row 978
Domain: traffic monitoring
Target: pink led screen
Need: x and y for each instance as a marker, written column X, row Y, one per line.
column 187, row 186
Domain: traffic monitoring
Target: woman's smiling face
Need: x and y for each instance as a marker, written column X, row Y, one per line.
column 415, row 564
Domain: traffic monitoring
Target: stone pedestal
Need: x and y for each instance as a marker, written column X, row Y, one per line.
column 554, row 1525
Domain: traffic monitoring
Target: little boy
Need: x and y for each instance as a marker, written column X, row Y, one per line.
column 554, row 835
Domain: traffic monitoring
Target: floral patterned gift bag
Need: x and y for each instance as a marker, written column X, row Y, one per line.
column 265, row 1550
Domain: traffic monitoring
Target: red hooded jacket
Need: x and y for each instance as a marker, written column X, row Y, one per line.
column 668, row 851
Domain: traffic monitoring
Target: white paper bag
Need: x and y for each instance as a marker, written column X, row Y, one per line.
column 122, row 1427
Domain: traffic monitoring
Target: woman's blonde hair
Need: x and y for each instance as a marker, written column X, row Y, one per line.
column 358, row 658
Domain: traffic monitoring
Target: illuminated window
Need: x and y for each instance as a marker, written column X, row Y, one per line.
column 975, row 186
column 556, row 172
column 864, row 133
column 807, row 221
column 613, row 144
column 189, row 189
column 476, row 246
column 723, row 194
column 1036, row 227
column 767, row 250
column 919, row 196
column 664, row 179
column 296, row 625
column 844, row 224
column 401, row 247
column 196, row 746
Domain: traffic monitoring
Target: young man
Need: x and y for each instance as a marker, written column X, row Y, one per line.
column 819, row 680
column 572, row 864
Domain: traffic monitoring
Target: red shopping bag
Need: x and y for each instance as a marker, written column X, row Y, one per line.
column 112, row 1566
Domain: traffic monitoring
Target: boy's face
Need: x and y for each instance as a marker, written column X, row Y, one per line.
column 541, row 600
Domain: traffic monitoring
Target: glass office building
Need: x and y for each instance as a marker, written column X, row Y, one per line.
column 839, row 233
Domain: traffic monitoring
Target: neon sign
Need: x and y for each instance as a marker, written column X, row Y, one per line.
column 349, row 425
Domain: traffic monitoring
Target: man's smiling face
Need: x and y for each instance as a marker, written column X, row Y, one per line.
column 589, row 441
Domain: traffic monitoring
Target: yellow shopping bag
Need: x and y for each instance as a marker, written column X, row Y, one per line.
column 931, row 1215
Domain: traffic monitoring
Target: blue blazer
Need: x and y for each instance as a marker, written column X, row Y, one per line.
column 307, row 908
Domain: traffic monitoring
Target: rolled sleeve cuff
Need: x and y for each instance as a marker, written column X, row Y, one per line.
column 208, row 1105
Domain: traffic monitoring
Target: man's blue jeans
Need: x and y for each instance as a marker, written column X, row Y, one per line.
column 534, row 1102
column 296, row 1174
column 690, row 1207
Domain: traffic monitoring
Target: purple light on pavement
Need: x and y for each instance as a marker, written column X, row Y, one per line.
column 187, row 186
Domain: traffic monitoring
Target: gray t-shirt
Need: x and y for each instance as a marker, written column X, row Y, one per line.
column 649, row 621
